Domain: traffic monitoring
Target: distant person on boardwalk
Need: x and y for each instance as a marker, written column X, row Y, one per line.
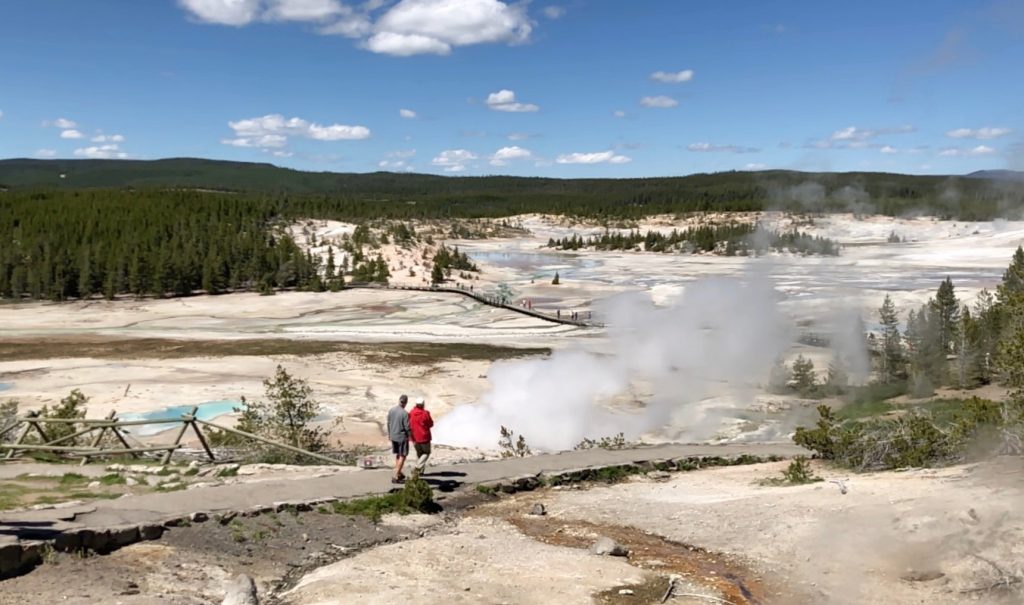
column 399, row 433
column 420, row 422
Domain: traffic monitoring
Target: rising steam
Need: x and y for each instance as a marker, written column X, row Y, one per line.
column 720, row 335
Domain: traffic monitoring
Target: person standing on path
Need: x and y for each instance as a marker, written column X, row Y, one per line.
column 420, row 422
column 399, row 433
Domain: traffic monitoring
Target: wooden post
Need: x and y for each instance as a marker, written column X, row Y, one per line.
column 184, row 426
column 39, row 430
column 21, row 439
column 202, row 439
column 120, row 437
column 99, row 437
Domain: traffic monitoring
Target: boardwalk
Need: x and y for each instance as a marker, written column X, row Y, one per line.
column 492, row 301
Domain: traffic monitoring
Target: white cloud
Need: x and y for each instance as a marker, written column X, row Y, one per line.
column 1, row 113
column 618, row 113
column 673, row 77
column 353, row 25
column 304, row 10
column 223, row 12
column 407, row 113
column 63, row 123
column 404, row 45
column 853, row 137
column 889, row 149
column 505, row 155
column 402, row 153
column 711, row 147
column 660, row 101
column 407, row 27
column 554, row 12
column 973, row 151
column 273, row 131
column 71, row 134
column 108, row 138
column 755, row 166
column 453, row 160
column 46, row 153
column 395, row 165
column 414, row 27
column 986, row 132
column 101, row 152
column 517, row 136
column 598, row 157
column 505, row 100
column 280, row 153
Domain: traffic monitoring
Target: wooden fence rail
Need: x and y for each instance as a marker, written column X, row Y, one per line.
column 33, row 423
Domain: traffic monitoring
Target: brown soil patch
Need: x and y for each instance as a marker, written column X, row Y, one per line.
column 728, row 578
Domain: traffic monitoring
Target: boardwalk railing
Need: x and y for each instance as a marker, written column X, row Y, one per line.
column 492, row 301
column 33, row 423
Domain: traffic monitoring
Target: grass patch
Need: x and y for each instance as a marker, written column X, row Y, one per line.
column 72, row 479
column 231, row 471
column 415, row 497
column 112, row 479
column 11, row 495
column 486, row 490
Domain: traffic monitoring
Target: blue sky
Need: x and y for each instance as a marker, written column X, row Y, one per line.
column 566, row 88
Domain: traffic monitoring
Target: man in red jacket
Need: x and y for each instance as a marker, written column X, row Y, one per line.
column 419, row 425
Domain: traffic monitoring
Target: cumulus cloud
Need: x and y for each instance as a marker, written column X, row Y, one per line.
column 46, row 153
column 414, row 27
column 518, row 136
column 598, row 157
column 405, row 28
column 407, row 114
column 660, row 101
column 673, row 77
column 618, row 113
column 505, row 100
column 755, row 166
column 71, row 134
column 304, row 10
column 554, row 12
column 274, row 131
column 986, row 132
column 711, row 147
column 453, row 160
column 505, row 155
column 224, row 12
column 973, row 151
column 108, row 138
column 101, row 152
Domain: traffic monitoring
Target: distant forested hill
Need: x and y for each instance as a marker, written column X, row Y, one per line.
column 954, row 196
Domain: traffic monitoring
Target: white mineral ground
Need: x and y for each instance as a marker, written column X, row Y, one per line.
column 813, row 290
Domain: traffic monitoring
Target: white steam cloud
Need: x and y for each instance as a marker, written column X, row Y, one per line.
column 721, row 336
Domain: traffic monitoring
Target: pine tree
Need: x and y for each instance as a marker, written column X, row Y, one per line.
column 892, row 355
column 1013, row 278
column 946, row 309
column 803, row 378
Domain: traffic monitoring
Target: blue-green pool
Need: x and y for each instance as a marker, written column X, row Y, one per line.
column 207, row 411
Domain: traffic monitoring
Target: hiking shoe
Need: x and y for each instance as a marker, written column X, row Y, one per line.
column 398, row 480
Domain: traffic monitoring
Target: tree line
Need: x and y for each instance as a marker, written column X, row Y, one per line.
column 729, row 239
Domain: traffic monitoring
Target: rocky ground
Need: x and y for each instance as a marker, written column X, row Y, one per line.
column 939, row 536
